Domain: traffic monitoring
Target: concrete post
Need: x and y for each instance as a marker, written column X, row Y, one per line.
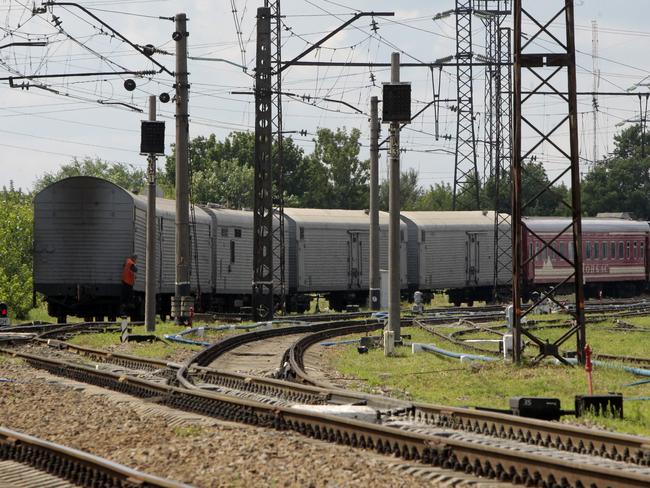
column 150, row 258
column 182, row 288
column 375, row 301
column 394, row 222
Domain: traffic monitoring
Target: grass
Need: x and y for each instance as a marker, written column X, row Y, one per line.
column 188, row 431
column 435, row 379
column 158, row 349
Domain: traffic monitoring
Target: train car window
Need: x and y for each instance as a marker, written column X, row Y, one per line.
column 401, row 236
column 237, row 232
column 596, row 247
column 537, row 256
column 621, row 250
column 530, row 249
column 232, row 251
column 571, row 252
column 224, row 232
column 636, row 250
column 612, row 254
column 563, row 248
column 627, row 250
column 603, row 253
column 424, row 236
column 588, row 249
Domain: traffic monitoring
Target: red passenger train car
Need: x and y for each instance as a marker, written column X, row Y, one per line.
column 614, row 251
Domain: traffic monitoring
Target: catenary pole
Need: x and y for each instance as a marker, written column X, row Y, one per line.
column 374, row 205
column 182, row 286
column 394, row 220
column 150, row 259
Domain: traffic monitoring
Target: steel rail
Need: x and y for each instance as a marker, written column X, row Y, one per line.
column 621, row 447
column 507, row 465
column 76, row 466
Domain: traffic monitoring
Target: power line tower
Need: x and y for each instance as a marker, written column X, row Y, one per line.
column 278, row 156
column 497, row 121
column 503, row 163
column 544, row 59
column 466, row 178
column 596, row 86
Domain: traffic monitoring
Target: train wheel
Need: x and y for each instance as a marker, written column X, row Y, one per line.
column 61, row 319
column 470, row 303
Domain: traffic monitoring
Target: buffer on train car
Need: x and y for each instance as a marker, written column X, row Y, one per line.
column 4, row 314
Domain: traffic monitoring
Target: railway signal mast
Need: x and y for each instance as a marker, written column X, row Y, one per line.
column 544, row 58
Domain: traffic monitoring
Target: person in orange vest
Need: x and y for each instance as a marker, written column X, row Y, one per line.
column 128, row 280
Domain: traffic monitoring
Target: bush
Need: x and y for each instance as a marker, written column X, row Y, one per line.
column 16, row 251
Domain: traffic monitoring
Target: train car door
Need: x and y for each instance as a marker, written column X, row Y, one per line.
column 472, row 258
column 355, row 258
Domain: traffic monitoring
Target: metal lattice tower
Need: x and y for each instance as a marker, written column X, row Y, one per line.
column 544, row 59
column 496, row 123
column 263, row 181
column 278, row 156
column 466, row 178
column 503, row 163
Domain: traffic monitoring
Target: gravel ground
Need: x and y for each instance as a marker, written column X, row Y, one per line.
column 203, row 453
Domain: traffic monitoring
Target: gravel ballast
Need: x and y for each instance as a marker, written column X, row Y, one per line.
column 194, row 449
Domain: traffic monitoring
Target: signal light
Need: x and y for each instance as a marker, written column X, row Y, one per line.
column 4, row 311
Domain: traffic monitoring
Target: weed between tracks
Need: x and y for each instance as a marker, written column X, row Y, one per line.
column 188, row 431
column 435, row 379
column 159, row 350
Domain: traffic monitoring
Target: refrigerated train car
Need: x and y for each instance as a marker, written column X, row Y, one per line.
column 452, row 251
column 85, row 227
column 329, row 254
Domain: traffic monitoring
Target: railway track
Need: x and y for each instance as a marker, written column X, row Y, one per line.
column 26, row 461
column 622, row 447
column 530, row 468
column 450, row 437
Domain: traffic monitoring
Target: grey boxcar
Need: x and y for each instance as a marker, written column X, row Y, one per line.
column 85, row 227
column 452, row 251
column 232, row 256
column 329, row 250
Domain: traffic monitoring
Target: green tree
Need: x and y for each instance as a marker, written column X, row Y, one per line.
column 533, row 180
column 439, row 196
column 410, row 191
column 219, row 166
column 125, row 175
column 347, row 176
column 622, row 183
column 16, row 251
column 227, row 183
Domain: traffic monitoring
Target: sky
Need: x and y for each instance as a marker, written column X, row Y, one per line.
column 44, row 127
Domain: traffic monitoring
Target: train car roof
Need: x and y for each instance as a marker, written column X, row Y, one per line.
column 164, row 206
column 441, row 220
column 229, row 216
column 333, row 217
column 589, row 224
